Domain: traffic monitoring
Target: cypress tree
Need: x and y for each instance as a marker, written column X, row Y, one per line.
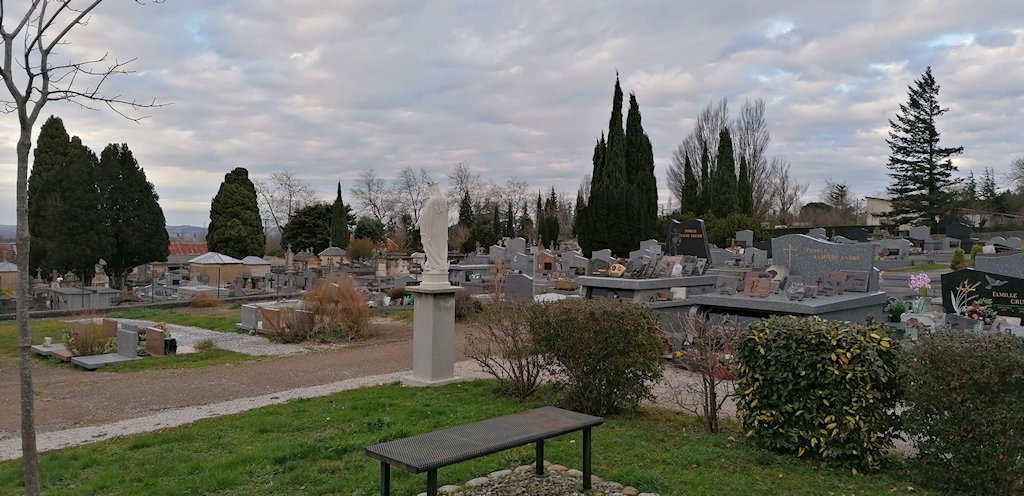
column 235, row 228
column 496, row 226
column 744, row 191
column 78, row 239
column 339, row 221
column 723, row 189
column 690, row 201
column 466, row 211
column 134, row 223
column 309, row 228
column 705, row 182
column 577, row 218
column 510, row 223
column 640, row 172
column 53, row 146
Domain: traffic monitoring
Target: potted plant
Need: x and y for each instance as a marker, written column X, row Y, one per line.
column 981, row 309
column 896, row 310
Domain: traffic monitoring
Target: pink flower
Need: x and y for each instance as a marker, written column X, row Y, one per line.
column 981, row 309
column 987, row 320
column 974, row 316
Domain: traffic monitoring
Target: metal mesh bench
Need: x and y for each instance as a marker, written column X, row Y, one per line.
column 431, row 451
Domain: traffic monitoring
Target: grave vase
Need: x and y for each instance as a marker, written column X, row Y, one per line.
column 170, row 346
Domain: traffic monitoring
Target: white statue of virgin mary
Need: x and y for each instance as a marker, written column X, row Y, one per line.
column 433, row 225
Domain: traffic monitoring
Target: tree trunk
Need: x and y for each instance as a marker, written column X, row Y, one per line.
column 29, row 455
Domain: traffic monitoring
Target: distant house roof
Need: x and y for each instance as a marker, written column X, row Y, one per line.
column 8, row 267
column 254, row 260
column 332, row 251
column 193, row 249
column 214, row 258
column 304, row 256
column 6, row 251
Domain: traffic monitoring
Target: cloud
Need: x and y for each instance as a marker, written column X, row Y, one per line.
column 328, row 89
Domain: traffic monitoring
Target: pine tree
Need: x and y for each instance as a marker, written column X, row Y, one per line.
column 509, row 230
column 133, row 222
column 640, row 172
column 235, row 229
column 466, row 211
column 339, row 221
column 577, row 220
column 920, row 169
column 549, row 227
column 744, row 191
column 723, row 187
column 49, row 163
column 691, row 199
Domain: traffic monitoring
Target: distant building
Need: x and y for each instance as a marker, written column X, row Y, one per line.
column 875, row 209
column 8, row 276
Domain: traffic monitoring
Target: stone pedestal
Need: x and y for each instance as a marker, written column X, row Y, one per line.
column 433, row 335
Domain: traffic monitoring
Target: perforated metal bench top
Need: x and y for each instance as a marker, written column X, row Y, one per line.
column 438, row 449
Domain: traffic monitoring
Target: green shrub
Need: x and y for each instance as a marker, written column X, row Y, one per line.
column 965, row 410
column 603, row 355
column 958, row 261
column 466, row 305
column 975, row 250
column 807, row 385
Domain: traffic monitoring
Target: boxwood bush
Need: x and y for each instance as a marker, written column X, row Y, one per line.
column 818, row 387
column 603, row 356
column 965, row 411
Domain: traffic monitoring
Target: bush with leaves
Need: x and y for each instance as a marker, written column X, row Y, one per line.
column 360, row 249
column 808, row 385
column 604, row 356
column 959, row 260
column 500, row 342
column 975, row 251
column 965, row 411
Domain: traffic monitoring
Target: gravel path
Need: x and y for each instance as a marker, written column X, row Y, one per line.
column 240, row 343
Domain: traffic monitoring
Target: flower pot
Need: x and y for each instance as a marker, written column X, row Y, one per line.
column 895, row 318
column 170, row 346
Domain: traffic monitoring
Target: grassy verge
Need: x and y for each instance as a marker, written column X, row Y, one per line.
column 214, row 356
column 316, row 446
column 211, row 322
column 403, row 316
column 39, row 329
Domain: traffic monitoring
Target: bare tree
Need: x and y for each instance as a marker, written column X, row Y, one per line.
column 461, row 181
column 283, row 194
column 1017, row 171
column 32, row 79
column 844, row 204
column 514, row 192
column 374, row 196
column 750, row 141
column 411, row 191
column 705, row 132
column 786, row 190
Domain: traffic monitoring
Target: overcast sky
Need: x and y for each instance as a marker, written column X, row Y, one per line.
column 330, row 88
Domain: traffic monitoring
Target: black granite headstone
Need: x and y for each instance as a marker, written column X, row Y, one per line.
column 858, row 234
column 961, row 231
column 688, row 238
column 963, row 286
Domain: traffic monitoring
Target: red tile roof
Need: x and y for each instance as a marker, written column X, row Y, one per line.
column 187, row 249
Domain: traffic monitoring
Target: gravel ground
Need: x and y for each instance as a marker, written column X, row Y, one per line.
column 241, row 343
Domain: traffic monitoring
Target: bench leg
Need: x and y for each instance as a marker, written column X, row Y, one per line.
column 432, row 483
column 586, row 459
column 385, row 479
column 539, row 471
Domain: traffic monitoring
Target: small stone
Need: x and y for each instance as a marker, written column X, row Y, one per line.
column 522, row 469
column 422, row 494
column 448, row 489
column 556, row 468
column 594, row 478
column 614, row 486
column 499, row 473
column 479, row 481
column 648, row 494
column 630, row 491
column 573, row 472
column 547, row 463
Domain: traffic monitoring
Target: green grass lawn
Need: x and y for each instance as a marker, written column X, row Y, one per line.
column 39, row 329
column 211, row 322
column 213, row 356
column 316, row 446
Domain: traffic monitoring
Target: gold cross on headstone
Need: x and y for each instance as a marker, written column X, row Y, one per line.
column 790, row 251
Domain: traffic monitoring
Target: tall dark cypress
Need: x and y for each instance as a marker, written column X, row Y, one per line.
column 49, row 163
column 339, row 221
column 133, row 222
column 510, row 223
column 690, row 199
column 723, row 187
column 640, row 173
column 744, row 191
column 703, row 205
column 235, row 228
column 78, row 240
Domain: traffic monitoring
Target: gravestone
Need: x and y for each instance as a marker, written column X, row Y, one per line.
column 843, row 240
column 997, row 240
column 272, row 321
column 643, row 252
column 515, row 245
column 962, row 232
column 574, row 263
column 250, row 318
column 700, row 267
column 920, row 233
column 745, row 238
column 154, row 341
column 520, row 262
column 961, row 323
column 831, row 283
column 728, row 285
column 688, row 237
column 605, row 254
column 898, row 248
column 518, row 287
column 496, row 253
column 1014, row 243
column 128, row 342
column 757, row 284
column 719, row 257
column 1009, row 264
column 764, row 245
column 807, row 257
column 598, row 266
column 666, row 265
column 858, row 234
column 964, row 286
column 817, row 233
column 856, row 281
column 652, row 245
column 755, row 258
